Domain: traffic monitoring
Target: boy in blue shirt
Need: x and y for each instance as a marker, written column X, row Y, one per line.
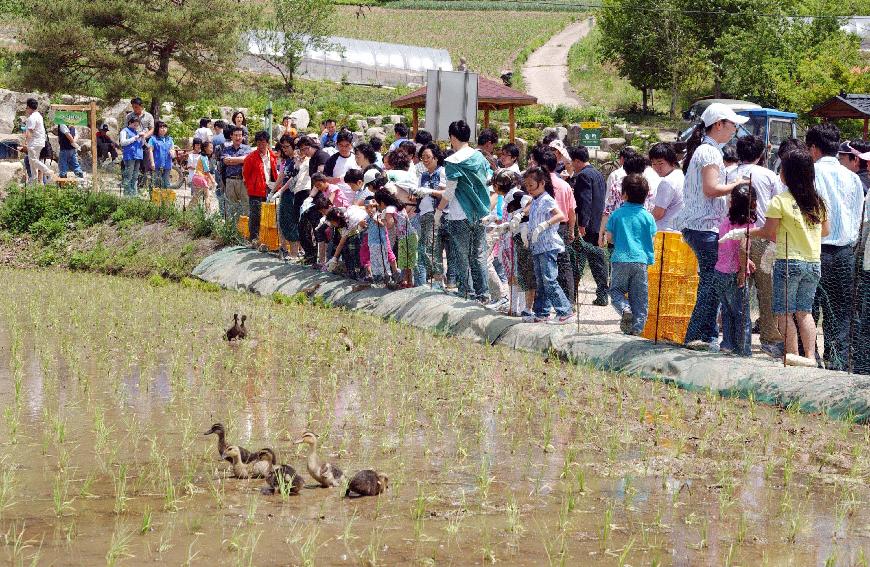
column 631, row 228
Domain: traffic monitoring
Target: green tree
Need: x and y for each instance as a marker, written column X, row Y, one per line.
column 629, row 43
column 285, row 32
column 165, row 49
column 650, row 44
column 791, row 64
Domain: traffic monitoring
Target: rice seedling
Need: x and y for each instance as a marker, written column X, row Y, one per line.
column 119, row 547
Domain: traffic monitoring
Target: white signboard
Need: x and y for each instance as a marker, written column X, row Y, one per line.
column 450, row 96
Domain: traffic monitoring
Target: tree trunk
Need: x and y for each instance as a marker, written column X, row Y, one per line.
column 643, row 106
column 674, row 91
column 162, row 80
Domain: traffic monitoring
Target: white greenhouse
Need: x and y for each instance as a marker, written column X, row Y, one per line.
column 356, row 61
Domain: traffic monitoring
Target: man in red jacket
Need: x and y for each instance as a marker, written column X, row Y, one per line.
column 259, row 173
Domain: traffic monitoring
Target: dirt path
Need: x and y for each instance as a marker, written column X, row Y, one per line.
column 546, row 71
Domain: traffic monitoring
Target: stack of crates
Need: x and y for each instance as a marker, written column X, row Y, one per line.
column 242, row 226
column 163, row 197
column 269, row 226
column 675, row 273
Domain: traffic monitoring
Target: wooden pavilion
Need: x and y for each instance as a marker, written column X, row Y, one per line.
column 848, row 106
column 491, row 95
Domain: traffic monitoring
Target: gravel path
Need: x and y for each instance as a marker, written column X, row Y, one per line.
column 546, row 71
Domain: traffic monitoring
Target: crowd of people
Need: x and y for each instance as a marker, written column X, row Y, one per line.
column 469, row 220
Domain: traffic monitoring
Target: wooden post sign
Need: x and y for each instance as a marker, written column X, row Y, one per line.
column 80, row 115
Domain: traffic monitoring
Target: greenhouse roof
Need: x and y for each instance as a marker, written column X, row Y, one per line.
column 361, row 53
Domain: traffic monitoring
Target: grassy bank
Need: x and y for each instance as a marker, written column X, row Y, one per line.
column 98, row 232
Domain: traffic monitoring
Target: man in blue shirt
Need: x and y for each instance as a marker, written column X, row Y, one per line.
column 843, row 194
column 329, row 137
column 401, row 136
column 235, row 192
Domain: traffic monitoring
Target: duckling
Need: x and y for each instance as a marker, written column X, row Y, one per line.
column 283, row 474
column 326, row 474
column 367, row 483
column 243, row 331
column 348, row 343
column 247, row 456
column 249, row 470
column 234, row 331
column 265, row 463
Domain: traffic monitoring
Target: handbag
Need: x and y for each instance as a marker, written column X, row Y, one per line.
column 199, row 180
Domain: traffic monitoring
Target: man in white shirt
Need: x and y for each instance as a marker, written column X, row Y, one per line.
column 342, row 160
column 34, row 141
column 843, row 194
column 750, row 152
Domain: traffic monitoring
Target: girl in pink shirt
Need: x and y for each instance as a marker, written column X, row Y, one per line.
column 731, row 271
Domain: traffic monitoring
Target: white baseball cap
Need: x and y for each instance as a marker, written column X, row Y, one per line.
column 718, row 111
column 370, row 176
column 865, row 156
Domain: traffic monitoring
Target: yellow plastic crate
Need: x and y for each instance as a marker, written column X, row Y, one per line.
column 678, row 294
column 242, row 226
column 269, row 215
column 163, row 196
column 679, row 258
column 672, row 303
column 269, row 237
column 669, row 329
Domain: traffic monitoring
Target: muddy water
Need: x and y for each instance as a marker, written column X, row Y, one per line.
column 493, row 456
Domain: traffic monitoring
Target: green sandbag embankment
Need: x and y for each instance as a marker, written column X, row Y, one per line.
column 815, row 390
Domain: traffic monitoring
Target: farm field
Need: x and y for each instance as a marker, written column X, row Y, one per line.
column 489, row 40
column 109, row 384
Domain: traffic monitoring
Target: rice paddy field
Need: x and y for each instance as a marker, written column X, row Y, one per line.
column 489, row 40
column 493, row 456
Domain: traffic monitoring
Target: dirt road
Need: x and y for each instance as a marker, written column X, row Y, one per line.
column 546, row 71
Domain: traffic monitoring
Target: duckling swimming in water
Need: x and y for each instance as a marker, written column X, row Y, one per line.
column 265, row 463
column 326, row 474
column 234, row 332
column 218, row 428
column 367, row 483
column 250, row 470
column 286, row 475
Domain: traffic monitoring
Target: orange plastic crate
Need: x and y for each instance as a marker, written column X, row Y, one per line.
column 242, row 226
column 269, row 237
column 269, row 215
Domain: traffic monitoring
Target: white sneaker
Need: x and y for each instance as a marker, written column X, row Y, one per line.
column 498, row 303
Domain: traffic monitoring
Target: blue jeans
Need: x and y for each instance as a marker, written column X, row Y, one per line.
column 736, row 318
column 702, row 325
column 68, row 160
column 630, row 278
column 162, row 177
column 549, row 294
column 130, row 176
column 469, row 249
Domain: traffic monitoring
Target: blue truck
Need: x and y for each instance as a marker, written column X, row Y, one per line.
column 772, row 125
